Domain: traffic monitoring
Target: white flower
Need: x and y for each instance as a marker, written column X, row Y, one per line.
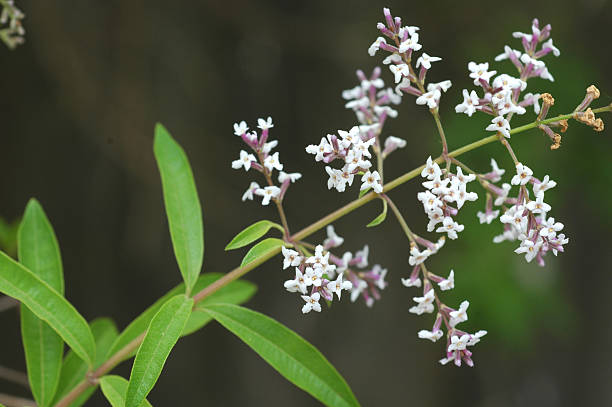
column 460, row 315
column 399, row 71
column 463, row 195
column 338, row 285
column 543, row 186
column 321, row 150
column 538, row 206
column 267, row 193
column 514, row 216
column 431, row 170
column 549, row 44
column 267, row 147
column 418, row 257
column 449, row 283
column 425, row 303
column 410, row 282
column 356, row 291
column 487, row 217
column 319, row 259
column 464, row 179
column 376, row 45
column 265, row 124
column 523, row 175
column 507, row 52
column 437, row 186
column 313, row 276
column 248, row 194
column 333, row 240
column 450, row 227
column 410, row 28
column 470, row 101
column 297, row 284
column 312, row 303
column 497, row 172
column 480, row 71
column 503, row 195
column 501, row 125
column 430, row 201
column 291, row 258
column 240, row 128
column 443, row 86
column 334, row 177
column 371, row 180
column 349, row 137
column 530, row 248
column 508, row 82
column 392, row 143
column 458, row 343
column 283, row 176
column 475, row 338
column 432, row 336
column 435, row 216
column 426, row 60
column 362, row 257
column 430, row 98
column 550, row 228
column 410, row 43
column 245, row 161
column 271, row 162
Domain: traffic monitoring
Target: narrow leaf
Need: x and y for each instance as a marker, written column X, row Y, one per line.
column 182, row 205
column 74, row 369
column 44, row 348
column 364, row 191
column 294, row 358
column 251, row 234
column 47, row 304
column 114, row 389
column 261, row 249
column 380, row 218
column 163, row 333
column 236, row 292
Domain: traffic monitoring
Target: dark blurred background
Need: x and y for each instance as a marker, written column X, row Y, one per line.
column 79, row 102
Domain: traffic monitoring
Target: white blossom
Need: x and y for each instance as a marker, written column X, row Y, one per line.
column 501, row 125
column 268, row 193
column 265, row 124
column 338, row 285
column 424, row 303
column 371, row 180
column 376, row 45
column 470, row 101
column 448, row 283
column 272, row 162
column 425, row 60
column 292, row 177
column 431, row 335
column 248, row 194
column 245, row 161
column 523, row 175
column 298, row 284
column 240, row 128
column 458, row 343
column 450, row 227
column 312, row 303
column 480, row 71
column 291, row 258
column 460, row 315
column 333, row 240
column 538, row 206
column 544, row 185
column 411, row 42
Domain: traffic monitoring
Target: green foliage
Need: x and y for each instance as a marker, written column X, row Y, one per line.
column 380, row 218
column 8, row 236
column 74, row 369
column 44, row 348
column 47, row 304
column 237, row 292
column 182, row 205
column 251, row 234
column 294, row 358
column 114, row 389
column 262, row 249
column 163, row 333
column 364, row 191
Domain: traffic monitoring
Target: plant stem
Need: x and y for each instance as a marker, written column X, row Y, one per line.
column 14, row 376
column 14, row 401
column 238, row 272
column 400, row 219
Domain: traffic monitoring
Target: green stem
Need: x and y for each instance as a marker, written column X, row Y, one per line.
column 307, row 231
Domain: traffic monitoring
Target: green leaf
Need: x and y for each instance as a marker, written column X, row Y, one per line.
column 262, row 249
column 236, row 292
column 74, row 369
column 47, row 304
column 163, row 333
column 182, row 205
column 252, row 233
column 380, row 218
column 44, row 348
column 114, row 389
column 8, row 236
column 294, row 358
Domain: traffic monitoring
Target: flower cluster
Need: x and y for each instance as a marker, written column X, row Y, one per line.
column 12, row 34
column 404, row 41
column 444, row 189
column 457, row 340
column 320, row 275
column 501, row 93
column 370, row 102
column 526, row 219
column 264, row 161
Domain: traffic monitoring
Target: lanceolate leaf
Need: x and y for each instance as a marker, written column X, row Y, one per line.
column 39, row 251
column 47, row 304
column 251, row 234
column 182, row 205
column 236, row 292
column 294, row 358
column 74, row 369
column 261, row 249
column 114, row 389
column 162, row 334
column 380, row 218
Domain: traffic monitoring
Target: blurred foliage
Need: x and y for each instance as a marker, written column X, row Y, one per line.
column 8, row 236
